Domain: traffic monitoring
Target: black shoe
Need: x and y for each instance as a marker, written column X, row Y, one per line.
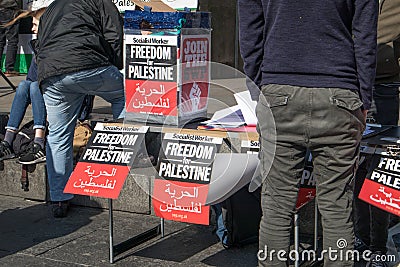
column 377, row 259
column 60, row 208
column 359, row 245
column 35, row 154
column 6, row 151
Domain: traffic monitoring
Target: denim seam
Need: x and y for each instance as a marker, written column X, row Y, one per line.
column 39, row 127
column 11, row 128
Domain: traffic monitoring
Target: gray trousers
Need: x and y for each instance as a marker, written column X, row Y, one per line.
column 329, row 122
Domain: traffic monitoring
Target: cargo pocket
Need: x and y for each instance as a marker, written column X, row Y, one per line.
column 275, row 100
column 351, row 103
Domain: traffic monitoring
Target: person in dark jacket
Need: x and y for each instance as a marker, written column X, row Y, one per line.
column 79, row 52
column 8, row 10
column 315, row 64
column 372, row 223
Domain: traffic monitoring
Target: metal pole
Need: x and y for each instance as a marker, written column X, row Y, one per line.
column 162, row 227
column 236, row 39
column 8, row 81
column 110, row 229
column 296, row 237
column 315, row 226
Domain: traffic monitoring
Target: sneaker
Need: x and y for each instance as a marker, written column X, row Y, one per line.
column 35, row 154
column 60, row 208
column 6, row 151
column 11, row 73
column 375, row 260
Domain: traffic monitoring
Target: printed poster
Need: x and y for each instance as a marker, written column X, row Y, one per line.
column 106, row 161
column 123, row 5
column 250, row 146
column 151, row 74
column 195, row 80
column 381, row 187
column 184, row 168
column 307, row 190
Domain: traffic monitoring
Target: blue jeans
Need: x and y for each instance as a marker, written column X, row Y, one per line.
column 63, row 95
column 27, row 92
column 220, row 225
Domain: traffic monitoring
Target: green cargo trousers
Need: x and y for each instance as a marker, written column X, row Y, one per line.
column 329, row 122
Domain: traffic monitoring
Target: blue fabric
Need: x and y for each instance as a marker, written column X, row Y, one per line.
column 27, row 92
column 316, row 44
column 32, row 72
column 63, row 96
column 221, row 230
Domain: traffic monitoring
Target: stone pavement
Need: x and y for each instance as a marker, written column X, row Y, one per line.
column 31, row 237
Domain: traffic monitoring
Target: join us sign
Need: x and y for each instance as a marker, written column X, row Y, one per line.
column 106, row 161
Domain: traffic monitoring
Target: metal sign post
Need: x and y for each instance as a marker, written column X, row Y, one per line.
column 8, row 80
column 132, row 242
column 296, row 238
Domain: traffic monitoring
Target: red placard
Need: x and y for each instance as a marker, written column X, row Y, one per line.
column 99, row 180
column 151, row 97
column 180, row 201
column 307, row 190
column 195, row 59
column 381, row 196
column 305, row 195
column 105, row 163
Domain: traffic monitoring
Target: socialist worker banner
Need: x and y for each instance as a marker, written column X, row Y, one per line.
column 106, row 161
column 184, row 168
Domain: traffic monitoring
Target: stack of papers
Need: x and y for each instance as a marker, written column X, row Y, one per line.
column 241, row 117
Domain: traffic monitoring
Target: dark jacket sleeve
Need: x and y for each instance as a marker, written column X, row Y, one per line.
column 251, row 31
column 365, row 42
column 112, row 25
column 32, row 72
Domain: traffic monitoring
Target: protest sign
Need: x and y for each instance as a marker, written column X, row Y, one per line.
column 195, row 73
column 106, row 161
column 167, row 73
column 184, row 167
column 250, row 146
column 307, row 190
column 381, row 187
column 150, row 75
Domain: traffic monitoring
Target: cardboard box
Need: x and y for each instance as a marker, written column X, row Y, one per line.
column 167, row 71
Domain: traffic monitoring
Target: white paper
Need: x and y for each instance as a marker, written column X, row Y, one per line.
column 247, row 106
column 226, row 118
column 181, row 4
column 231, row 171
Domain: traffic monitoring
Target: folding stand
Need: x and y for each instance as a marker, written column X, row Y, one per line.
column 132, row 242
column 8, row 80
